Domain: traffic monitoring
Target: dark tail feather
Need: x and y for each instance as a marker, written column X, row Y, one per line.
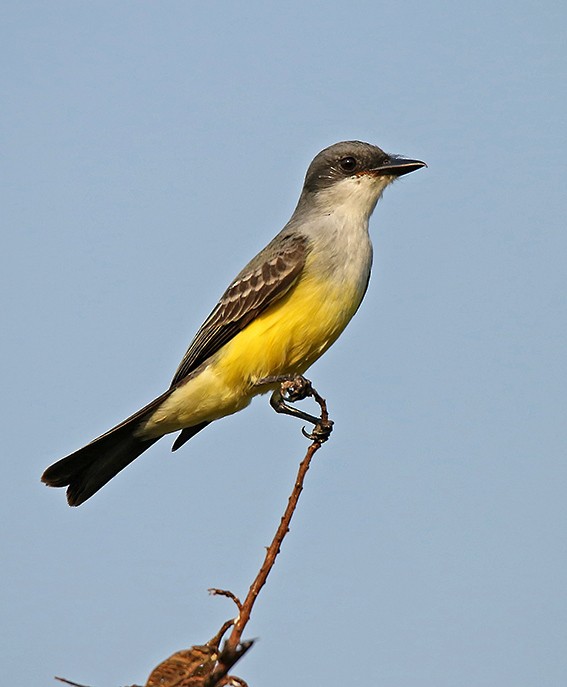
column 186, row 434
column 91, row 467
column 85, row 471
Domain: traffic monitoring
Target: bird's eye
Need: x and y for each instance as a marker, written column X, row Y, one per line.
column 348, row 164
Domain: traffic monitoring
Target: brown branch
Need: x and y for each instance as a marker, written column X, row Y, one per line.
column 68, row 682
column 225, row 592
column 273, row 550
column 245, row 610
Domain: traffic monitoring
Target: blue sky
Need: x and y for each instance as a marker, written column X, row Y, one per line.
column 149, row 150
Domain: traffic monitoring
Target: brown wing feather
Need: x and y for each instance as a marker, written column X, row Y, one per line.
column 266, row 278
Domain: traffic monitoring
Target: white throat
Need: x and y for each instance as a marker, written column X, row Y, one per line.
column 354, row 197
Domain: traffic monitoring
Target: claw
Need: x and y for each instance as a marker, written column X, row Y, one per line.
column 321, row 432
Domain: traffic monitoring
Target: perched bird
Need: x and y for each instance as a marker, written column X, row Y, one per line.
column 280, row 314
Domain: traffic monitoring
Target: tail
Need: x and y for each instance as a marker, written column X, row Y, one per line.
column 87, row 470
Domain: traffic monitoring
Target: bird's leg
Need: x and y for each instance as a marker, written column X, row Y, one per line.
column 295, row 388
column 278, row 403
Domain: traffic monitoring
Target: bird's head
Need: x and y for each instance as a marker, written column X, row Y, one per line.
column 352, row 175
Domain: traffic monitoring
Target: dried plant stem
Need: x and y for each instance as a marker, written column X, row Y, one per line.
column 273, row 550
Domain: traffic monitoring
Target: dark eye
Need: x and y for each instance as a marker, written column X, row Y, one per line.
column 348, row 164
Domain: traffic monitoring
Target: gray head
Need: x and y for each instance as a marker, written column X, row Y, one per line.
column 354, row 160
column 348, row 178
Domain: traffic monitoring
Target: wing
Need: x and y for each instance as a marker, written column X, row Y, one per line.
column 263, row 281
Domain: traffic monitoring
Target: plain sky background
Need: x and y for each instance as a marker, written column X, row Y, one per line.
column 149, row 150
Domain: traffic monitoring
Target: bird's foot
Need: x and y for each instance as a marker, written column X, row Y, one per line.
column 295, row 388
column 321, row 432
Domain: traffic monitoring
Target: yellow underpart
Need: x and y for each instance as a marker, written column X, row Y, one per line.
column 286, row 339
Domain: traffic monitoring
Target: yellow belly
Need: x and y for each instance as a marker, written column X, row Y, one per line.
column 289, row 336
column 286, row 339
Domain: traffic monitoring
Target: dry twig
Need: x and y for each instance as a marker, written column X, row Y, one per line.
column 319, row 435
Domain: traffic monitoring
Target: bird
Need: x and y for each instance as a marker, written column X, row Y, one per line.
column 276, row 318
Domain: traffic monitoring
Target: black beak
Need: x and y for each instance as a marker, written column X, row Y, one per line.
column 397, row 167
